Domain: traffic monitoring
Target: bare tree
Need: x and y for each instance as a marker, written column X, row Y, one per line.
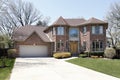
column 18, row 14
column 113, row 18
column 2, row 5
column 43, row 22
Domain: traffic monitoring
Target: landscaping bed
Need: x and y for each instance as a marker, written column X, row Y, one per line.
column 60, row 55
column 5, row 72
column 107, row 66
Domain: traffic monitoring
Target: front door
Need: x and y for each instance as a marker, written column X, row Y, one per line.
column 74, row 47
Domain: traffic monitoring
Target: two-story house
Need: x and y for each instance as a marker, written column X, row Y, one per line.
column 73, row 35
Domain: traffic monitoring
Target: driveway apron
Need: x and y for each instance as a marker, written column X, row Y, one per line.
column 53, row 69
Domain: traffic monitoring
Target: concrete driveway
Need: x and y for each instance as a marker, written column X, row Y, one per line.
column 53, row 69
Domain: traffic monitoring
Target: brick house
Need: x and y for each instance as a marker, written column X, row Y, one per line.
column 73, row 35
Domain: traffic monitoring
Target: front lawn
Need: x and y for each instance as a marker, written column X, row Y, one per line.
column 107, row 66
column 5, row 72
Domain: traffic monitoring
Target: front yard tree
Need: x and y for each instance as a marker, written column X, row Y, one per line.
column 113, row 18
column 17, row 14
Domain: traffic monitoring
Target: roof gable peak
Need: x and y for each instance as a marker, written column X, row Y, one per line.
column 60, row 21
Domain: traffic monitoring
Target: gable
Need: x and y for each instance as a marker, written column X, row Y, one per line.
column 22, row 33
column 34, row 37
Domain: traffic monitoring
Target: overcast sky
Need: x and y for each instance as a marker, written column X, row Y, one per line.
column 73, row 8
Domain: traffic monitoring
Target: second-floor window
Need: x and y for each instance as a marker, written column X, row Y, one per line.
column 84, row 30
column 97, row 29
column 73, row 32
column 60, row 30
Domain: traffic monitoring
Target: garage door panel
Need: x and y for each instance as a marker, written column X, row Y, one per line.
column 33, row 51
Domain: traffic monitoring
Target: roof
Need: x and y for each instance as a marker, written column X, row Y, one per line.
column 22, row 33
column 77, row 21
column 60, row 21
column 94, row 21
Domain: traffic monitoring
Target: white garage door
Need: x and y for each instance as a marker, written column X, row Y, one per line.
column 33, row 51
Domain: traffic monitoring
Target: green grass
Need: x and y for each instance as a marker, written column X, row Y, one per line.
column 110, row 67
column 5, row 72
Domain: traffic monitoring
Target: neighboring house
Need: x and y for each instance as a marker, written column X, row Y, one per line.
column 73, row 35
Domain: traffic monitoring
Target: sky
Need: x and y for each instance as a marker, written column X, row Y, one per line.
column 73, row 8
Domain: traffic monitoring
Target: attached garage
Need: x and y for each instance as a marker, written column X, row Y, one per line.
column 31, row 41
column 33, row 51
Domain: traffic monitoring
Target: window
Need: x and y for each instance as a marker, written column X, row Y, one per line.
column 84, row 30
column 60, row 31
column 101, row 29
column 93, row 29
column 73, row 32
column 97, row 29
column 60, row 46
column 97, row 46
